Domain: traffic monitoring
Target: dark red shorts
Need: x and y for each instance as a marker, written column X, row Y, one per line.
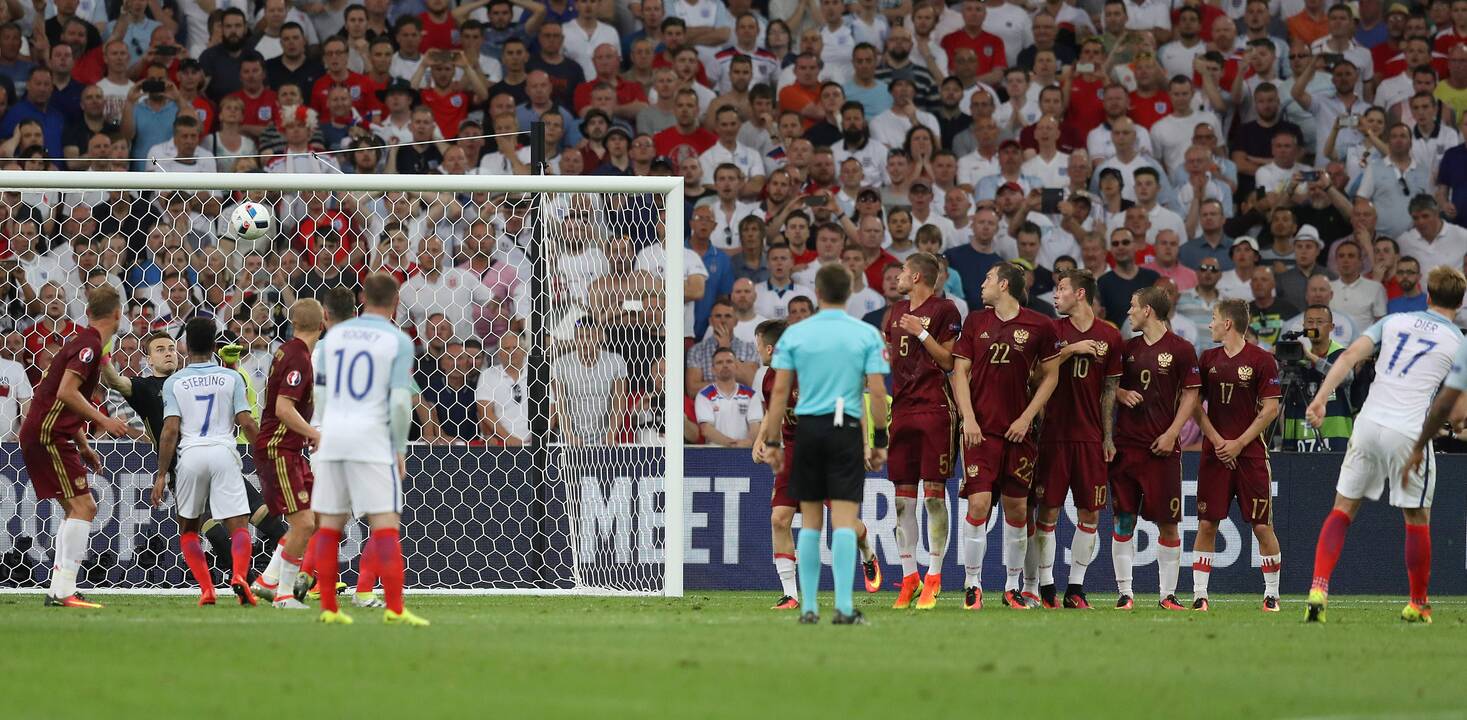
column 285, row 480
column 1251, row 483
column 55, row 468
column 921, row 448
column 782, row 496
column 997, row 465
column 1078, row 467
column 1150, row 485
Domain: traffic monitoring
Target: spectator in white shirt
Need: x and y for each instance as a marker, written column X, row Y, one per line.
column 728, row 150
column 1238, row 282
column 1359, row 297
column 1432, row 240
column 1278, row 175
column 891, row 126
column 502, row 394
column 182, row 153
column 455, row 292
column 727, row 410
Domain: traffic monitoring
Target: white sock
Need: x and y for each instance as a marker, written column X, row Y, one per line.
column 975, row 546
column 63, row 583
column 1123, row 557
column 1044, row 535
column 78, row 535
column 906, row 534
column 1168, row 565
column 785, row 566
column 937, row 531
column 1272, row 565
column 1031, row 564
column 863, row 545
column 1083, row 548
column 288, row 572
column 271, row 577
column 1201, row 571
column 1015, row 544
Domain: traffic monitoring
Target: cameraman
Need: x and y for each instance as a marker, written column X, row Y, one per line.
column 1304, row 359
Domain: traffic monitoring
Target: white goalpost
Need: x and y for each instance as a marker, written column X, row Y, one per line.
column 548, row 312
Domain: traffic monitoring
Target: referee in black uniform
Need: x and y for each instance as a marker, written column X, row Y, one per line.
column 836, row 357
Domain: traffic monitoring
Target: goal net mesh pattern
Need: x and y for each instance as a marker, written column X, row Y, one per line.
column 537, row 450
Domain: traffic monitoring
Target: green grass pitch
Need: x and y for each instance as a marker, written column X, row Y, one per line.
column 725, row 655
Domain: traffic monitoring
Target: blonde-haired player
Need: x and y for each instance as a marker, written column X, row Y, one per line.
column 1417, row 352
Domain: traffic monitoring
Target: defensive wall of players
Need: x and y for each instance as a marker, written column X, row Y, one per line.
column 471, row 521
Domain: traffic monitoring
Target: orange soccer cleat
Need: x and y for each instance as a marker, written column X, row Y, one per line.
column 206, row 596
column 74, row 600
column 786, row 603
column 242, row 591
column 871, row 572
column 931, row 588
column 911, row 584
column 973, row 598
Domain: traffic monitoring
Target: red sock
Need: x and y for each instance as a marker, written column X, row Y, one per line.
column 367, row 568
column 389, row 566
column 239, row 552
column 308, row 558
column 1418, row 560
column 1327, row 549
column 193, row 555
column 324, row 547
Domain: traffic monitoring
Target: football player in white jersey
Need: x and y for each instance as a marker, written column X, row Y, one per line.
column 367, row 404
column 204, row 407
column 1417, row 350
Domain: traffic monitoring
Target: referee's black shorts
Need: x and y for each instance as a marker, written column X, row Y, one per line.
column 830, row 461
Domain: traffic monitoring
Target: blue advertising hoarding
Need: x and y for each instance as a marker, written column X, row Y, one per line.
column 478, row 517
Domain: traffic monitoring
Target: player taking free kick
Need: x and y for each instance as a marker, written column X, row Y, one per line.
column 1158, row 394
column 367, row 408
column 1417, row 351
column 1240, row 382
column 1000, row 348
column 920, row 332
column 53, row 441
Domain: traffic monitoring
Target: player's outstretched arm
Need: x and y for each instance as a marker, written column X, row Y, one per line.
column 70, row 394
column 115, row 380
column 1343, row 368
column 248, row 426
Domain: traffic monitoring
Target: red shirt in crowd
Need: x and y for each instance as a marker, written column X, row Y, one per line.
column 988, row 46
column 627, row 92
column 438, row 35
column 1147, row 110
column 450, row 107
column 263, row 109
column 363, row 92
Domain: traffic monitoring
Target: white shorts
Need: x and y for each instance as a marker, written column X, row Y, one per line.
column 347, row 487
column 210, row 474
column 1374, row 460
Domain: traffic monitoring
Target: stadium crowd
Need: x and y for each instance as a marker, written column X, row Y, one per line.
column 1302, row 156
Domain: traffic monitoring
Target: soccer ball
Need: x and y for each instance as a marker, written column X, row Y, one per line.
column 252, row 223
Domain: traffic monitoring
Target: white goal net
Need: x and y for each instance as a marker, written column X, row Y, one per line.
column 539, row 307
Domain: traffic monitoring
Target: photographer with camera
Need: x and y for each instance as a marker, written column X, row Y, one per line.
column 1305, row 358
